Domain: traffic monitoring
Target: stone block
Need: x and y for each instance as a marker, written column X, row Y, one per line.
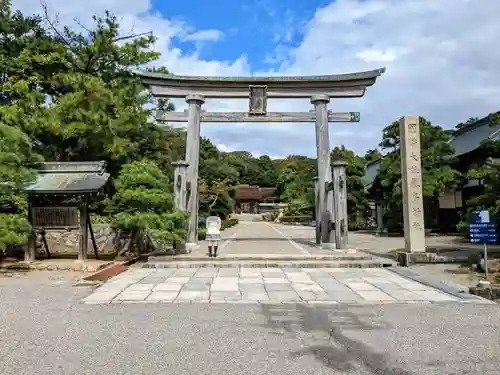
column 184, row 272
column 101, row 296
column 278, row 287
column 374, row 296
column 255, row 297
column 252, row 287
column 167, row 287
column 228, row 272
column 411, row 285
column 344, row 296
column 205, row 273
column 178, row 280
column 243, row 281
column 404, row 295
column 361, row 286
column 224, row 288
column 435, row 296
column 225, row 280
column 133, row 296
column 139, row 287
column 162, row 296
column 311, row 296
column 485, row 292
column 153, row 280
column 226, row 294
column 283, row 296
column 276, row 280
column 196, row 287
column 193, row 295
column 406, row 259
column 325, row 302
column 307, row 287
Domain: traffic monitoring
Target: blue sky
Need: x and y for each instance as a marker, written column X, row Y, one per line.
column 253, row 28
column 441, row 57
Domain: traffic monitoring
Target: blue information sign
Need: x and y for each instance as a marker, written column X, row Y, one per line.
column 481, row 230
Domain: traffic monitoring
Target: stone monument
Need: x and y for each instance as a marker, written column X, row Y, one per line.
column 411, row 180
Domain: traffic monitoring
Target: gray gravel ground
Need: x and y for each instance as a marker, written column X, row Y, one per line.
column 45, row 330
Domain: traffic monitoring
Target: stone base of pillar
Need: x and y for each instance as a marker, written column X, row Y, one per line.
column 190, row 246
column 406, row 259
column 328, row 246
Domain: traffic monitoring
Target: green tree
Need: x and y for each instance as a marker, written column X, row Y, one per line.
column 438, row 175
column 17, row 165
column 144, row 206
column 20, row 36
column 87, row 103
column 296, row 184
column 372, row 155
column 489, row 173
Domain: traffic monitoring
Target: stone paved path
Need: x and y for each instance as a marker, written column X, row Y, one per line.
column 264, row 238
column 264, row 285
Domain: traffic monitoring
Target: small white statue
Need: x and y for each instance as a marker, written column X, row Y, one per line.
column 213, row 225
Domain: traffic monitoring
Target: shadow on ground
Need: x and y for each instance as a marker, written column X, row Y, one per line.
column 337, row 351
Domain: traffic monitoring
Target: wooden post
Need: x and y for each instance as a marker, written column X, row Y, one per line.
column 193, row 158
column 30, row 250
column 325, row 206
column 92, row 236
column 411, row 171
column 379, row 210
column 340, row 204
column 84, row 235
column 317, row 216
column 180, row 186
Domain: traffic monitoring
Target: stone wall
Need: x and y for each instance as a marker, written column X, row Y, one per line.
column 67, row 242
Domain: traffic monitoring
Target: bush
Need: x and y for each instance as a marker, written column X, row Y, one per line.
column 303, row 219
column 144, row 206
column 202, row 233
column 228, row 223
column 463, row 228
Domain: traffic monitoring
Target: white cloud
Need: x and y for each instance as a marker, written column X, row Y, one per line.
column 204, row 35
column 442, row 61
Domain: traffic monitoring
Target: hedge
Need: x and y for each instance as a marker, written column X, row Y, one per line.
column 296, row 219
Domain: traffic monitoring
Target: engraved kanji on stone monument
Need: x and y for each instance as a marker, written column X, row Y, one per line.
column 416, row 225
column 413, row 140
column 412, row 128
column 415, row 182
column 411, row 171
column 416, row 211
column 414, row 170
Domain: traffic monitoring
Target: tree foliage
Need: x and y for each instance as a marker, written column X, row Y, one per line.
column 489, row 174
column 144, row 204
column 372, row 155
column 68, row 93
column 296, row 184
column 438, row 174
column 17, row 163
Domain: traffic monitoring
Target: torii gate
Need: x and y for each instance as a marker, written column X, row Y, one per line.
column 331, row 203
